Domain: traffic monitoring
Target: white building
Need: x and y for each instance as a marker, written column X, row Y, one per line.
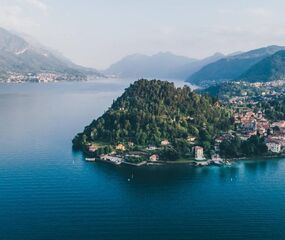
column 274, row 147
column 165, row 142
column 153, row 158
column 199, row 153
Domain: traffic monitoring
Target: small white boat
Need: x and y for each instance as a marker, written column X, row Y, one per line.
column 202, row 164
column 218, row 162
column 90, row 159
column 228, row 163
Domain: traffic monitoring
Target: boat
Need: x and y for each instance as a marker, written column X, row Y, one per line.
column 202, row 164
column 218, row 162
column 228, row 163
column 90, row 159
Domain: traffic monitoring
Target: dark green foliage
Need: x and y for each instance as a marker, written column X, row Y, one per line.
column 274, row 109
column 231, row 147
column 132, row 159
column 150, row 111
column 227, row 90
column 182, row 146
column 79, row 140
column 169, row 154
column 269, row 69
column 254, row 146
column 104, row 150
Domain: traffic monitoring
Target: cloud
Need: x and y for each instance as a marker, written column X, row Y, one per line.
column 259, row 12
column 12, row 17
column 38, row 4
column 16, row 14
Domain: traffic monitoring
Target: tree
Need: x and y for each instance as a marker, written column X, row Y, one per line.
column 169, row 154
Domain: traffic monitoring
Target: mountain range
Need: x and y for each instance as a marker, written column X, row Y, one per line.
column 262, row 64
column 161, row 65
column 271, row 68
column 19, row 55
column 233, row 67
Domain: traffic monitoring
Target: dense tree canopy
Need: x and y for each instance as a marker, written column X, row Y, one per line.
column 150, row 111
column 254, row 146
column 274, row 109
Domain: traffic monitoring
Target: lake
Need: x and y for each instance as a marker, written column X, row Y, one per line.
column 47, row 191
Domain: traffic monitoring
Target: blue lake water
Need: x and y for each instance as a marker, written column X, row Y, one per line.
column 49, row 192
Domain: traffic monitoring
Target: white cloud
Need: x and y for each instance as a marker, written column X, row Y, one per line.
column 38, row 4
column 259, row 12
column 12, row 17
column 16, row 15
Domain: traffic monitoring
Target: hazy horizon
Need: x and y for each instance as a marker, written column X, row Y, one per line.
column 98, row 33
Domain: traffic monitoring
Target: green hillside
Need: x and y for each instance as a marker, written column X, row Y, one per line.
column 150, row 111
column 269, row 69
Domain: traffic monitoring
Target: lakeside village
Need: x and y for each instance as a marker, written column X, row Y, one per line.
column 255, row 127
column 252, row 93
column 247, row 124
column 43, row 77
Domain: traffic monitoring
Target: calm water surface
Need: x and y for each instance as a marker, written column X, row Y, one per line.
column 49, row 192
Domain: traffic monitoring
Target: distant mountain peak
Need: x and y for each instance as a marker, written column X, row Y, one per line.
column 19, row 56
column 159, row 65
column 271, row 68
column 231, row 67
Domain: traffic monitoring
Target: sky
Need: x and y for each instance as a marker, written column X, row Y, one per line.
column 96, row 33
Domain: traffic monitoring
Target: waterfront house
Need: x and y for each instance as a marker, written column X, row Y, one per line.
column 92, row 148
column 274, row 146
column 120, row 147
column 199, row 153
column 153, row 158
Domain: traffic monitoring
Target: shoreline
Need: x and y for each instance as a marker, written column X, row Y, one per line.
column 192, row 162
column 255, row 158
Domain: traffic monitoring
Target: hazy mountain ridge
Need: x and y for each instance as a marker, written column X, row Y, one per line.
column 17, row 55
column 163, row 64
column 189, row 69
column 231, row 67
column 271, row 68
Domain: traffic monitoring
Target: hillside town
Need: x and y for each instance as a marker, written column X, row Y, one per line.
column 256, row 127
column 246, row 123
column 249, row 124
column 42, row 77
column 243, row 93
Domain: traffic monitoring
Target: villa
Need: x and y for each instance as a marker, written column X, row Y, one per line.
column 153, row 158
column 274, row 147
column 121, row 147
column 165, row 142
column 199, row 153
column 92, row 148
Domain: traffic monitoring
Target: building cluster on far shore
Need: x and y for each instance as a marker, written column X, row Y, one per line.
column 249, row 124
column 42, row 77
